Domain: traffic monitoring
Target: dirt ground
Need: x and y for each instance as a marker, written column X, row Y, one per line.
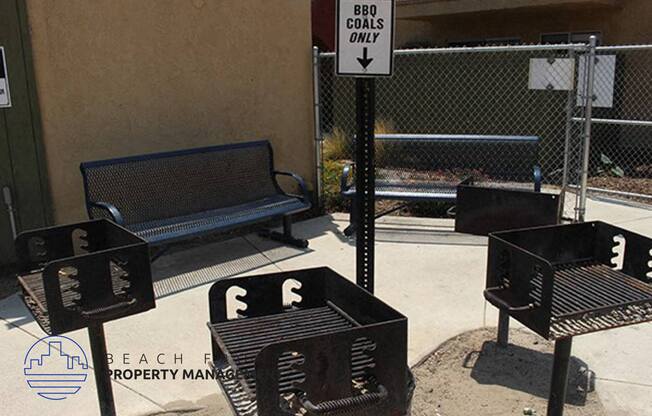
column 469, row 375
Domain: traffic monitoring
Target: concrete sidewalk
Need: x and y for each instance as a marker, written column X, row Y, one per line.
column 424, row 269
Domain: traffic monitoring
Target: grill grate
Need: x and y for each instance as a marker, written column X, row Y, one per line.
column 80, row 274
column 569, row 277
column 34, row 292
column 244, row 339
column 336, row 348
column 590, row 297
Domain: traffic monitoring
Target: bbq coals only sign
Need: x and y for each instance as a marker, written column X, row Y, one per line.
column 5, row 98
column 365, row 37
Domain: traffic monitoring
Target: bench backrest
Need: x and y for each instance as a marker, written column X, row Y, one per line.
column 171, row 184
column 500, row 156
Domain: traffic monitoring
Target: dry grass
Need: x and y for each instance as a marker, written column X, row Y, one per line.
column 339, row 146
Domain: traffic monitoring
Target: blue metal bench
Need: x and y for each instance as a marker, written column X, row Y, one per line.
column 173, row 196
column 509, row 158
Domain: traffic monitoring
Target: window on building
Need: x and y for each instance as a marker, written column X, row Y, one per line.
column 504, row 41
column 485, row 42
column 583, row 37
column 568, row 37
column 466, row 43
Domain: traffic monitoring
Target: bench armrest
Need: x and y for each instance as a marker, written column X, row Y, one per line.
column 305, row 197
column 344, row 180
column 115, row 214
column 538, row 178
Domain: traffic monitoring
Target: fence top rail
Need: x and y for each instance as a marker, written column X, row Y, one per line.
column 642, row 123
column 456, row 138
column 616, row 48
column 480, row 49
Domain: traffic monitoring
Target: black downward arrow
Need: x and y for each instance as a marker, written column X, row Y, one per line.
column 365, row 61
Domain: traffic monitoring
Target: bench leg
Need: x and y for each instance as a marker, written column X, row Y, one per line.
column 286, row 236
column 353, row 218
column 350, row 230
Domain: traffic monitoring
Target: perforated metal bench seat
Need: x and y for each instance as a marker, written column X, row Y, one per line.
column 171, row 196
column 223, row 218
column 440, row 191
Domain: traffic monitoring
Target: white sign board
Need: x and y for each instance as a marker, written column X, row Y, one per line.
column 553, row 74
column 365, row 38
column 605, row 77
column 5, row 98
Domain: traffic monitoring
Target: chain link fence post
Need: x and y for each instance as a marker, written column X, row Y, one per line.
column 319, row 160
column 570, row 108
column 588, row 108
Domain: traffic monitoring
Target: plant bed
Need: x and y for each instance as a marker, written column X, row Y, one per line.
column 631, row 185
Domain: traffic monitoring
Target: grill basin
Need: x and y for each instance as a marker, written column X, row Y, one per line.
column 567, row 280
column 307, row 341
column 484, row 208
column 77, row 275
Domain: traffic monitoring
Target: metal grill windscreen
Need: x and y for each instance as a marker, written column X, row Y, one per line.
column 180, row 183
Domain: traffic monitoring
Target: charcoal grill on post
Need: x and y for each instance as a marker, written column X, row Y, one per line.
column 567, row 280
column 337, row 350
column 82, row 275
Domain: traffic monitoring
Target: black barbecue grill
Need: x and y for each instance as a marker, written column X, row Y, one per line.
column 567, row 280
column 82, row 275
column 337, row 350
column 78, row 274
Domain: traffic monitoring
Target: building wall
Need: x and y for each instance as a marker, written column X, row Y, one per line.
column 123, row 77
column 624, row 24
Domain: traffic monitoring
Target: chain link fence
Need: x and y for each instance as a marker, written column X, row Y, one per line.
column 462, row 91
column 621, row 139
column 500, row 91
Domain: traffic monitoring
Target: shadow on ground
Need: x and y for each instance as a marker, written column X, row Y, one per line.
column 527, row 370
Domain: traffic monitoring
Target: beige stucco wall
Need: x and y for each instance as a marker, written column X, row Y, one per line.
column 627, row 23
column 124, row 77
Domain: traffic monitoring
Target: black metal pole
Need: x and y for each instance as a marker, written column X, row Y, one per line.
column 101, row 367
column 503, row 328
column 559, row 377
column 365, row 181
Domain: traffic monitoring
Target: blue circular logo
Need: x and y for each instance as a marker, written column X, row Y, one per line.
column 55, row 367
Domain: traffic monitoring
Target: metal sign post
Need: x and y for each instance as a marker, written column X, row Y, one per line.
column 365, row 181
column 365, row 49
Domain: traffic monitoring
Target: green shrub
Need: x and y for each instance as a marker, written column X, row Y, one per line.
column 333, row 201
column 337, row 145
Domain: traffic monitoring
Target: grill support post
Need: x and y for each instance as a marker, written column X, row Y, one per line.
column 559, row 379
column 365, row 181
column 503, row 328
column 101, row 368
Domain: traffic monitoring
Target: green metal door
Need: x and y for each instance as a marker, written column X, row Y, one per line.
column 22, row 173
